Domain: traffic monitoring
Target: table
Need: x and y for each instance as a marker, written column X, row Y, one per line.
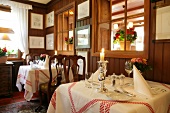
column 31, row 78
column 76, row 98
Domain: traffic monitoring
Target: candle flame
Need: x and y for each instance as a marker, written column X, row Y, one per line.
column 102, row 50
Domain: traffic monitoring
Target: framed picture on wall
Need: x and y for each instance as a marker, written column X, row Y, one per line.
column 50, row 19
column 83, row 10
column 36, row 21
column 36, row 42
column 50, row 41
column 82, row 39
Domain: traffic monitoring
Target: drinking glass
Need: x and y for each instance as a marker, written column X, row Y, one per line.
column 88, row 80
column 128, row 67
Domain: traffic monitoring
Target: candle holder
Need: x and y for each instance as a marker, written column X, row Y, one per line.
column 102, row 75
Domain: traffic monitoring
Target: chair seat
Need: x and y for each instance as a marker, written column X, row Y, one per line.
column 44, row 86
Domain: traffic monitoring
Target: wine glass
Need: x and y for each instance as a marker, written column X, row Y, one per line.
column 128, row 67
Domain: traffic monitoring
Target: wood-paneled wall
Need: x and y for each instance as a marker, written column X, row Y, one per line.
column 159, row 52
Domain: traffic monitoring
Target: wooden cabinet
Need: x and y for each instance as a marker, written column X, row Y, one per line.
column 65, row 29
column 6, row 79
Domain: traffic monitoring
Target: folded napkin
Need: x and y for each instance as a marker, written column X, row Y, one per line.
column 140, row 84
column 46, row 64
column 95, row 75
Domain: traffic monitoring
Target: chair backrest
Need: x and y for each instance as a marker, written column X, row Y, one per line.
column 28, row 58
column 58, row 65
column 71, row 62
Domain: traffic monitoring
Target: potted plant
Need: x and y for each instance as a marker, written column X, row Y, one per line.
column 120, row 37
column 3, row 57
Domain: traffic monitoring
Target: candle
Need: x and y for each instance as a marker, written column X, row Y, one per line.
column 55, row 52
column 102, row 55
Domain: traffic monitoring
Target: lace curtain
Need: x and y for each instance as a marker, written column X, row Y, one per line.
column 20, row 24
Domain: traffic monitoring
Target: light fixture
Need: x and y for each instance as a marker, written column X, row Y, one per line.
column 71, row 12
column 5, row 37
column 115, row 26
column 6, row 30
column 130, row 25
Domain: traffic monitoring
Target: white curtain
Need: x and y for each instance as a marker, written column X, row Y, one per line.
column 20, row 24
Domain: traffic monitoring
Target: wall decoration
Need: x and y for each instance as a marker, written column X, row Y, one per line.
column 36, row 21
column 83, row 10
column 82, row 39
column 80, row 63
column 50, row 19
column 36, row 42
column 50, row 41
column 163, row 23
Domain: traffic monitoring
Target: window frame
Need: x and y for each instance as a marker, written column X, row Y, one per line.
column 120, row 54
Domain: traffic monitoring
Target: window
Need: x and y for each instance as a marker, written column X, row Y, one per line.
column 5, row 22
column 113, row 20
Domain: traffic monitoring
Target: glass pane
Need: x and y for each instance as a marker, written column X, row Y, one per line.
column 71, row 19
column 135, row 25
column 65, row 21
column 104, row 36
column 65, row 40
column 118, row 25
column 12, row 49
column 59, row 41
column 60, row 21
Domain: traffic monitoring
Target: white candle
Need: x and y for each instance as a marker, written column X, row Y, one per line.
column 55, row 52
column 102, row 55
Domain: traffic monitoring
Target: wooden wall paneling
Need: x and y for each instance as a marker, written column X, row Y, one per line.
column 158, row 58
column 122, row 66
column 111, row 67
column 117, row 66
column 151, row 44
column 166, row 63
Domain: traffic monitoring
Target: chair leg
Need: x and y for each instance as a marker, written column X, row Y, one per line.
column 39, row 108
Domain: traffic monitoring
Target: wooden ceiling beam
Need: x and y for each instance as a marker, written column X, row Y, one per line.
column 129, row 17
column 117, row 2
column 128, row 10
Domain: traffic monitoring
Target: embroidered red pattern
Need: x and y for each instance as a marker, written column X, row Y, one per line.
column 53, row 100
column 28, row 83
column 105, row 104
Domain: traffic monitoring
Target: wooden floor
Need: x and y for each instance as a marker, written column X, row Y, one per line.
column 16, row 97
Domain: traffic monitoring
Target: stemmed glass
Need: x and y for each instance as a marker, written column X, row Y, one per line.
column 128, row 67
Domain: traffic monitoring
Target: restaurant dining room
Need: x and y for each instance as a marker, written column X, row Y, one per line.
column 85, row 56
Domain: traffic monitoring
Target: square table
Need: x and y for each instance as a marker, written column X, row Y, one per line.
column 76, row 98
column 31, row 78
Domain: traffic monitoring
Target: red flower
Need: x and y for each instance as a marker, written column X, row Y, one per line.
column 4, row 49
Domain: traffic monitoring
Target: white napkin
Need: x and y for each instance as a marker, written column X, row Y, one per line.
column 140, row 84
column 95, row 75
column 46, row 62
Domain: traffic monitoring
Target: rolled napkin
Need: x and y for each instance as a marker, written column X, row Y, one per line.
column 140, row 84
column 46, row 64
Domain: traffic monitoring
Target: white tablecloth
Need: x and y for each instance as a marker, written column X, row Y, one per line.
column 76, row 98
column 31, row 78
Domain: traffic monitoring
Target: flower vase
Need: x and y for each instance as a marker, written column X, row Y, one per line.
column 70, row 46
column 122, row 45
column 3, row 59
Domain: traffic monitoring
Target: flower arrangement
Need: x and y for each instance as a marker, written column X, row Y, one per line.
column 3, row 51
column 42, row 57
column 141, row 64
column 120, row 34
column 69, row 40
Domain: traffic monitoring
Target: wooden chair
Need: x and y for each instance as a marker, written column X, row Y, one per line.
column 28, row 58
column 71, row 62
column 49, row 87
